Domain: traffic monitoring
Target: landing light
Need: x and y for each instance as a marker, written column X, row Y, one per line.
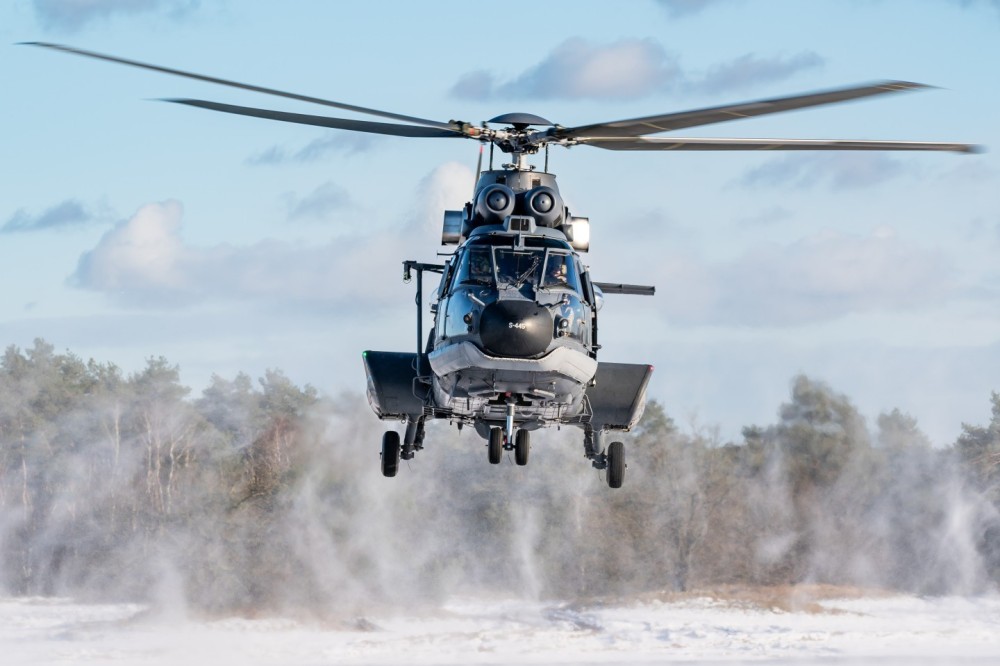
column 578, row 233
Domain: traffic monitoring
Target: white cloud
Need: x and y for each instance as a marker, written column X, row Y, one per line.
column 64, row 215
column 333, row 143
column 320, row 204
column 143, row 253
column 750, row 70
column 975, row 4
column 681, row 8
column 447, row 187
column 579, row 69
column 627, row 69
column 145, row 262
column 838, row 170
column 72, row 15
column 819, row 278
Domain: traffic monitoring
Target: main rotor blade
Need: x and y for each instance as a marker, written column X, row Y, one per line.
column 697, row 117
column 243, row 86
column 682, row 143
column 393, row 129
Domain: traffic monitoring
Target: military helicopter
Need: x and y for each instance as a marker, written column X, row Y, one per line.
column 514, row 344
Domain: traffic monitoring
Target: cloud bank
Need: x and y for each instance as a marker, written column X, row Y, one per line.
column 320, row 204
column 145, row 262
column 72, row 15
column 682, row 8
column 840, row 171
column 627, row 69
column 751, row 69
column 578, row 69
column 335, row 143
column 815, row 279
column 64, row 215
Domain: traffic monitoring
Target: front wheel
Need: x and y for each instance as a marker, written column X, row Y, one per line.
column 495, row 450
column 616, row 464
column 390, row 453
column 522, row 444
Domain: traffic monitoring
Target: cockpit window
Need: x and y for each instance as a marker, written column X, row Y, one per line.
column 505, row 266
column 475, row 267
column 518, row 267
column 560, row 272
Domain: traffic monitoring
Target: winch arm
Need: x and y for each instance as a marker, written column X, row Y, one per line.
column 631, row 289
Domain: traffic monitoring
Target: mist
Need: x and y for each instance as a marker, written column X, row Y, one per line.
column 261, row 497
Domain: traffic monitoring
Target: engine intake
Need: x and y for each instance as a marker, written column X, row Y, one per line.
column 544, row 204
column 494, row 203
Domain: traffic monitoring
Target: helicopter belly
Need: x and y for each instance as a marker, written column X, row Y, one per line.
column 466, row 379
column 566, row 362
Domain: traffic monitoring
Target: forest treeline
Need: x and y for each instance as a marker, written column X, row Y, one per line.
column 265, row 496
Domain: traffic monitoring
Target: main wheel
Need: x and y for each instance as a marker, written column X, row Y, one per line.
column 616, row 464
column 522, row 443
column 496, row 445
column 390, row 453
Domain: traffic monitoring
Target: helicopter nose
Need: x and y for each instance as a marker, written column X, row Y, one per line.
column 515, row 328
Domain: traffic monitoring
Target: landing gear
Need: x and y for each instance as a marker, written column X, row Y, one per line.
column 612, row 461
column 498, row 442
column 495, row 447
column 393, row 449
column 390, row 453
column 413, row 440
column 522, row 444
column 616, row 464
column 509, row 439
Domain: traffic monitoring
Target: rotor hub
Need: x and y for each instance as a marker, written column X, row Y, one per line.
column 521, row 121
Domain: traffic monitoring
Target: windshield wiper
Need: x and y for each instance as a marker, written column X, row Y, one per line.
column 526, row 274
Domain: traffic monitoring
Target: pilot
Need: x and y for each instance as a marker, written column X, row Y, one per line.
column 556, row 273
column 480, row 269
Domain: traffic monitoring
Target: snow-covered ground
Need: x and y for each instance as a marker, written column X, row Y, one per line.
column 868, row 629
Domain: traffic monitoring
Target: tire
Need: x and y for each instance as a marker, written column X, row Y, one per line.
column 616, row 464
column 495, row 449
column 390, row 453
column 522, row 444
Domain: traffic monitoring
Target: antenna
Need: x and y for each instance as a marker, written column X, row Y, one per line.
column 479, row 170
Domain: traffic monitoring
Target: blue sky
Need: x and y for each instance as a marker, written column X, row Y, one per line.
column 131, row 228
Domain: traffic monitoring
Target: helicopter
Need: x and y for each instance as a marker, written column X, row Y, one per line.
column 514, row 342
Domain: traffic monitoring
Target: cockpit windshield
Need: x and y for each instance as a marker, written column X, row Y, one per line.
column 518, row 267
column 504, row 266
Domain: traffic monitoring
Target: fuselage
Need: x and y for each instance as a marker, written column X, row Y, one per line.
column 515, row 317
column 513, row 322
column 514, row 342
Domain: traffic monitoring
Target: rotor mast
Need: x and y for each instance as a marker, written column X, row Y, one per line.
column 520, row 161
